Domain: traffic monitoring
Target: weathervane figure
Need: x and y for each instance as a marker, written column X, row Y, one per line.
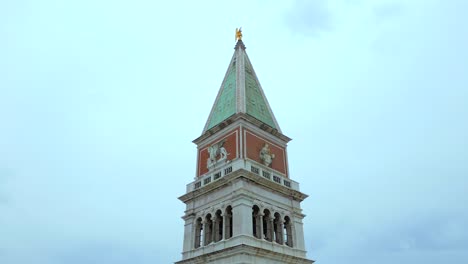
column 239, row 34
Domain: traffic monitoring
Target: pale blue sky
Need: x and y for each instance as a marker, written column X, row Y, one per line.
column 99, row 102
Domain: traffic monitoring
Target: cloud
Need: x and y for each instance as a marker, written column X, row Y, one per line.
column 100, row 253
column 89, row 251
column 388, row 10
column 435, row 234
column 309, row 17
column 432, row 232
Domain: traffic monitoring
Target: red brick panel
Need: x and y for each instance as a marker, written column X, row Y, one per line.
column 230, row 145
column 253, row 146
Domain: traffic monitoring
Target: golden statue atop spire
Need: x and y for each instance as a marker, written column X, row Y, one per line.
column 239, row 34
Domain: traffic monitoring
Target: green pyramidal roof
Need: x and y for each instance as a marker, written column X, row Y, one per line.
column 241, row 92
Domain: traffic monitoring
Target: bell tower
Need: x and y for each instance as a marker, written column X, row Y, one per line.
column 243, row 206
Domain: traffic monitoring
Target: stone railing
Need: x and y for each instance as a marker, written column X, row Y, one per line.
column 254, row 167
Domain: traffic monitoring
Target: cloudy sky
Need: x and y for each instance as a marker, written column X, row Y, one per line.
column 100, row 100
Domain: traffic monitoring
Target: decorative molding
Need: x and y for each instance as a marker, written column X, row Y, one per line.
column 235, row 120
column 247, row 251
column 243, row 174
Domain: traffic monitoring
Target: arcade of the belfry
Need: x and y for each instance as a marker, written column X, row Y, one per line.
column 242, row 207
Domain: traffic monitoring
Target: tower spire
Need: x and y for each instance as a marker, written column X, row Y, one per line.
column 241, row 92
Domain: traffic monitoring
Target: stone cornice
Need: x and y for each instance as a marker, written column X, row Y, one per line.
column 248, row 250
column 246, row 117
column 243, row 175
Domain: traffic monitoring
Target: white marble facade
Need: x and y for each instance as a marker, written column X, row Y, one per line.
column 241, row 191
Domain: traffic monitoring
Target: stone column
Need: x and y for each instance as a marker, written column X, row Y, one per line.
column 260, row 219
column 220, row 237
column 224, row 225
column 205, row 232
column 279, row 231
column 196, row 235
column 269, row 227
column 227, row 226
column 289, row 235
column 208, row 227
column 214, row 230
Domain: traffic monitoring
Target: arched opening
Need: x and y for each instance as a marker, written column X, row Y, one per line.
column 218, row 226
column 288, row 231
column 208, row 230
column 267, row 225
column 278, row 228
column 198, row 232
column 228, row 224
column 256, row 222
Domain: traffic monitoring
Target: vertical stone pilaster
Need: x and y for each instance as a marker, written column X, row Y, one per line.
column 298, row 231
column 242, row 218
column 189, row 233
